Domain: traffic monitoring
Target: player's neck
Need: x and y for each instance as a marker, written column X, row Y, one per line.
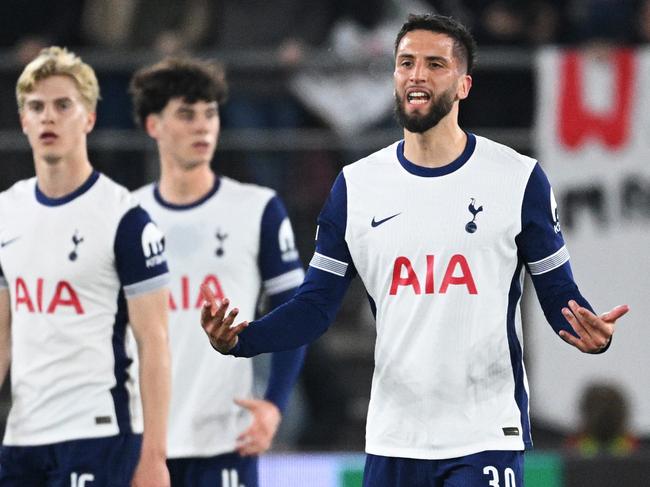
column 59, row 179
column 185, row 186
column 436, row 147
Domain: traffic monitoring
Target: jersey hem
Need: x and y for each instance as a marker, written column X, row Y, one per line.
column 443, row 454
column 37, row 440
column 198, row 453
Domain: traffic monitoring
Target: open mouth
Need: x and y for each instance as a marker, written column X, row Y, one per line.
column 417, row 97
column 48, row 136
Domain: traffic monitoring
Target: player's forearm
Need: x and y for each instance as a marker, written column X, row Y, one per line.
column 148, row 316
column 155, row 392
column 285, row 368
column 5, row 360
column 554, row 290
column 5, row 334
column 296, row 323
column 299, row 321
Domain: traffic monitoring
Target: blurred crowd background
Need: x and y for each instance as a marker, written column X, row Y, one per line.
column 310, row 91
column 289, row 25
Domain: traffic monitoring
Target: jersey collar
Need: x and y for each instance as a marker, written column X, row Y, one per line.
column 47, row 201
column 437, row 171
column 188, row 206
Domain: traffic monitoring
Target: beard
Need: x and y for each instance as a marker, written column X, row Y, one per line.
column 419, row 123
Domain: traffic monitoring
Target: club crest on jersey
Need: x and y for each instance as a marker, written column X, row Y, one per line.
column 153, row 245
column 76, row 240
column 220, row 238
column 471, row 225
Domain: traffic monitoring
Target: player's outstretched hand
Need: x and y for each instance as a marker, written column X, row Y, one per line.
column 594, row 331
column 259, row 435
column 219, row 326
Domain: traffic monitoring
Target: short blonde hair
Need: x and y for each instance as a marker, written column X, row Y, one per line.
column 58, row 61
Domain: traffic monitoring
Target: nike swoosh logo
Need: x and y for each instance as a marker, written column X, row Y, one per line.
column 375, row 223
column 7, row 242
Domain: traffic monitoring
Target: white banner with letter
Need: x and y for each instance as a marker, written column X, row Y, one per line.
column 593, row 141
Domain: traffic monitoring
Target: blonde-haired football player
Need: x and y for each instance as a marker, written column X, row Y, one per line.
column 80, row 261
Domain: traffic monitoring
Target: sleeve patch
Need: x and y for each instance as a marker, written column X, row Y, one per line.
column 286, row 242
column 549, row 263
column 153, row 245
column 327, row 264
column 139, row 248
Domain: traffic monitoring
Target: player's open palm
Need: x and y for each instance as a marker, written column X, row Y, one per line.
column 258, row 437
column 595, row 331
column 217, row 324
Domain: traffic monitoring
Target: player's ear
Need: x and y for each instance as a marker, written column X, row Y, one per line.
column 151, row 125
column 464, row 85
column 90, row 121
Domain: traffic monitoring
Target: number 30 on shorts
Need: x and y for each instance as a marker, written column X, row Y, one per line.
column 508, row 477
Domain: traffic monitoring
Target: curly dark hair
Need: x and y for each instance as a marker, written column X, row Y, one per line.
column 464, row 43
column 190, row 79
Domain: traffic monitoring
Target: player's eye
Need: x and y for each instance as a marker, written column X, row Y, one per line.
column 35, row 106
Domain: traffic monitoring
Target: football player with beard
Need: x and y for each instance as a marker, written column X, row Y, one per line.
column 440, row 226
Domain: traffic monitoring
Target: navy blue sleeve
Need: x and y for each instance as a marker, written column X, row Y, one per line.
column 278, row 260
column 285, row 368
column 3, row 281
column 282, row 273
column 544, row 252
column 139, row 254
column 309, row 313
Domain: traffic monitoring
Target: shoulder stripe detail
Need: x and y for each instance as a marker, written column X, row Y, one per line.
column 284, row 282
column 146, row 286
column 3, row 282
column 327, row 264
column 549, row 263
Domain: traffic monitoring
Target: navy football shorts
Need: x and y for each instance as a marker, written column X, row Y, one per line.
column 484, row 469
column 93, row 462
column 227, row 470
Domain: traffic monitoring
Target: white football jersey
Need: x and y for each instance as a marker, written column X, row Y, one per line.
column 69, row 265
column 239, row 241
column 441, row 252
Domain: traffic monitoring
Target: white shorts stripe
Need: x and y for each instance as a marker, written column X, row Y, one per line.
column 284, row 282
column 327, row 264
column 549, row 263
